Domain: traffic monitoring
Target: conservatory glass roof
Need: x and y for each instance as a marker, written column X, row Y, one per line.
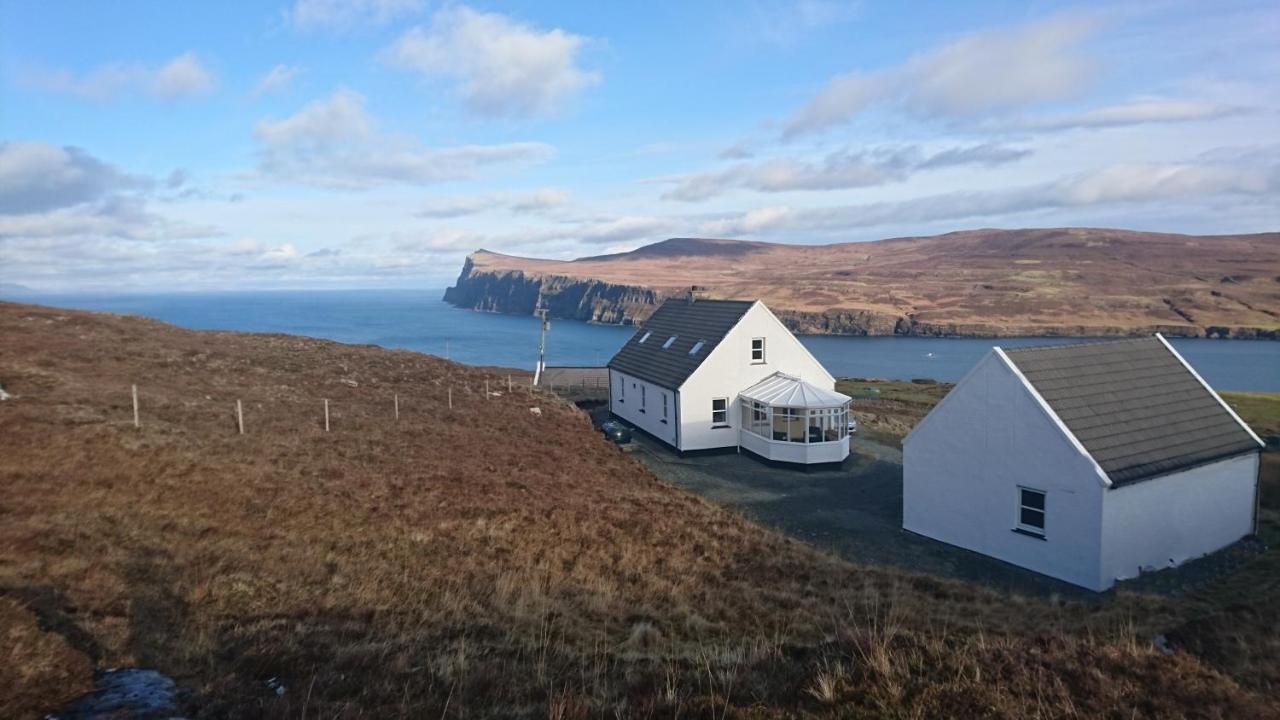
column 781, row 390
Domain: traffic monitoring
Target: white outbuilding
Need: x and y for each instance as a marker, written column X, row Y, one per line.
column 704, row 375
column 1090, row 462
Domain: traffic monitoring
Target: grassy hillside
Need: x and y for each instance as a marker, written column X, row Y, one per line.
column 479, row 561
column 1036, row 281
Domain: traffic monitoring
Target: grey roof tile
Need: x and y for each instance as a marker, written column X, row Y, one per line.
column 1133, row 406
column 705, row 320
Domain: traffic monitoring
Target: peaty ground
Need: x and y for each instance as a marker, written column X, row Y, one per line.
column 479, row 561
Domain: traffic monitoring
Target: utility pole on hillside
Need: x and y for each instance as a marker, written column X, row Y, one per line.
column 541, row 312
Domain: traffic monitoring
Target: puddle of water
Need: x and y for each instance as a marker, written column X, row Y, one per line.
column 126, row 694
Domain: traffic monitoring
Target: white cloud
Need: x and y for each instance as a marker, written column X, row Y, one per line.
column 505, row 69
column 1132, row 113
column 980, row 73
column 52, row 191
column 347, row 14
column 182, row 77
column 1114, row 185
column 838, row 170
column 336, row 143
column 275, row 80
column 535, row 202
column 38, row 176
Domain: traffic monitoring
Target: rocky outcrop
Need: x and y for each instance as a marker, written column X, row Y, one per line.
column 517, row 292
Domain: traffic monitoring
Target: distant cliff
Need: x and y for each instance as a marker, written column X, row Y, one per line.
column 514, row 292
column 1068, row 282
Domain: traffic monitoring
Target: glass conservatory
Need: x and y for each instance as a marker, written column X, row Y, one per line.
column 787, row 419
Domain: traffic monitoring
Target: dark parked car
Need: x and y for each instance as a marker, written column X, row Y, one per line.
column 616, row 431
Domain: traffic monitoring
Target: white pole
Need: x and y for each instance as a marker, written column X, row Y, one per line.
column 486, row 388
column 397, row 406
column 326, row 414
column 240, row 416
column 135, row 406
column 450, row 398
column 508, row 384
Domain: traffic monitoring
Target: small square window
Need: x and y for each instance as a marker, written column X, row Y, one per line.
column 720, row 412
column 757, row 350
column 1031, row 510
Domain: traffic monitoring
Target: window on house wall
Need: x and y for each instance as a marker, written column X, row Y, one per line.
column 757, row 350
column 720, row 412
column 664, row 407
column 644, row 337
column 696, row 347
column 622, row 389
column 670, row 341
column 1031, row 510
column 642, row 397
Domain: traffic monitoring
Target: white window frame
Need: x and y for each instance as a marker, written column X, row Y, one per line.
column 724, row 411
column 763, row 358
column 1038, row 531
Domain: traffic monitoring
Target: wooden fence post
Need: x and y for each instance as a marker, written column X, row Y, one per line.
column 326, row 414
column 135, row 406
column 240, row 416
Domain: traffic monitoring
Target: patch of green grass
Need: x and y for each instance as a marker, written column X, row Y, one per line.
column 910, row 393
column 1260, row 410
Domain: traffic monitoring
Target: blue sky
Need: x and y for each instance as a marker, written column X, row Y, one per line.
column 373, row 143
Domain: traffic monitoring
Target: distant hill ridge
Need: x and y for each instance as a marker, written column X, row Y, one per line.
column 1042, row 281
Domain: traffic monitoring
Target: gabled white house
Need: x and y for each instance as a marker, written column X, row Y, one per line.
column 710, row 374
column 1089, row 462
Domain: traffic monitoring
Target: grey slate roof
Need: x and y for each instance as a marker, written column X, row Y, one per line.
column 705, row 320
column 1134, row 406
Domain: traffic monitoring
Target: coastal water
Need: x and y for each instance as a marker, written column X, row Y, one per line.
column 420, row 320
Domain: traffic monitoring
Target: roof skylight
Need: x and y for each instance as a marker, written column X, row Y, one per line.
column 644, row 337
column 696, row 347
column 670, row 341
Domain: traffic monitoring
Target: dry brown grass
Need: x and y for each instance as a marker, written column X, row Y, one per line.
column 479, row 562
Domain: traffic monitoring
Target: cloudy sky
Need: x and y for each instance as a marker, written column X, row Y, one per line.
column 373, row 143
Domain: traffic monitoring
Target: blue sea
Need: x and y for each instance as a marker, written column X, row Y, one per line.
column 419, row 320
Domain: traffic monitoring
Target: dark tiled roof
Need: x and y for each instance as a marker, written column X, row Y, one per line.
column 1133, row 405
column 704, row 320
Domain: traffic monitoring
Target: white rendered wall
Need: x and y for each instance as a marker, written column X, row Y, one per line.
column 628, row 406
column 1167, row 520
column 728, row 370
column 802, row 453
column 964, row 462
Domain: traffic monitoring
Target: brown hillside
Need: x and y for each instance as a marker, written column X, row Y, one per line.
column 482, row 561
column 1071, row 281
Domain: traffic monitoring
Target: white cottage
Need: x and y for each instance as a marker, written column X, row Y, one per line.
column 1088, row 462
column 712, row 374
